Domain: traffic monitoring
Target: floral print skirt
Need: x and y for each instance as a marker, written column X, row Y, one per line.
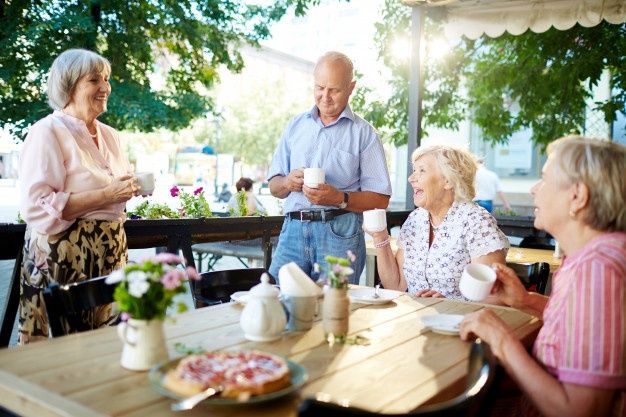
column 89, row 248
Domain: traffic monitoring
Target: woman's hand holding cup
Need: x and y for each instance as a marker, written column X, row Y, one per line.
column 508, row 288
column 121, row 189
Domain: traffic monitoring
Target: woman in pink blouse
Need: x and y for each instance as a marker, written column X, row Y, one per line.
column 75, row 181
column 578, row 364
column 444, row 233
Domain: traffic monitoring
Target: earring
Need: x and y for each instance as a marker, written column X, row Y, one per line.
column 572, row 214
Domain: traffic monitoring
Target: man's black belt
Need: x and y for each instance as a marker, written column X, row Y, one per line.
column 315, row 215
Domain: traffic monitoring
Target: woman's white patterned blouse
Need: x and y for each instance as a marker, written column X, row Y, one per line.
column 468, row 231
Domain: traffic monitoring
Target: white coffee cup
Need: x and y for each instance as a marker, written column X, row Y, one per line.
column 375, row 220
column 477, row 281
column 145, row 181
column 314, row 177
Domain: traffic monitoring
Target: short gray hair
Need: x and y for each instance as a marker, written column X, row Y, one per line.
column 458, row 166
column 334, row 56
column 67, row 69
column 600, row 165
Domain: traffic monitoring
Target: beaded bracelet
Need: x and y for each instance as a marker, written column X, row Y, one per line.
column 382, row 244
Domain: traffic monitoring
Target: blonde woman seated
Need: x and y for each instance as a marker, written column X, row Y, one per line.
column 577, row 366
column 444, row 233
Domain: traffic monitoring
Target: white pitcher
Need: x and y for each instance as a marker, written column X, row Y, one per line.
column 144, row 344
column 263, row 319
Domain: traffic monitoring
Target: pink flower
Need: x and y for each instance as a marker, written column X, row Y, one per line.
column 174, row 191
column 351, row 255
column 192, row 273
column 124, row 316
column 168, row 258
column 198, row 191
column 172, row 279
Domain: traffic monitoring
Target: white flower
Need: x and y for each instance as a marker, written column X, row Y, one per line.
column 115, row 277
column 137, row 283
column 138, row 288
column 137, row 276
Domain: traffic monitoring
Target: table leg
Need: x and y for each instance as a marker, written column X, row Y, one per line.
column 370, row 270
column 267, row 250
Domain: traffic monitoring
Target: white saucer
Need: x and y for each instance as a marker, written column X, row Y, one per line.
column 443, row 323
column 240, row 297
column 366, row 295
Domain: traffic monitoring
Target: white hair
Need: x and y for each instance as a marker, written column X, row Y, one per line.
column 67, row 69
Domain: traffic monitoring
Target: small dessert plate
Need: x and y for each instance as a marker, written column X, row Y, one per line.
column 366, row 295
column 240, row 297
column 448, row 324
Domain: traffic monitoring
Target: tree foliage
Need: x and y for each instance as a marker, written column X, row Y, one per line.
column 254, row 119
column 183, row 40
column 539, row 81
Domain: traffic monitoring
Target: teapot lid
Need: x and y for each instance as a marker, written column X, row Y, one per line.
column 264, row 289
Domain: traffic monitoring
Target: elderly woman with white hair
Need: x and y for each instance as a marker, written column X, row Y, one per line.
column 444, row 233
column 578, row 362
column 75, row 181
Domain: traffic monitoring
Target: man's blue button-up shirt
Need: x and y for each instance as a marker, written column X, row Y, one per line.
column 349, row 150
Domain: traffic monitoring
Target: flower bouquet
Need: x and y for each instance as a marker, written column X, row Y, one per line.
column 338, row 270
column 144, row 292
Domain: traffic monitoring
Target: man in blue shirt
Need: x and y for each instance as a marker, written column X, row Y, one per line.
column 327, row 220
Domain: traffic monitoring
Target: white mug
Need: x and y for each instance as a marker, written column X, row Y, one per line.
column 314, row 177
column 145, row 181
column 477, row 281
column 375, row 220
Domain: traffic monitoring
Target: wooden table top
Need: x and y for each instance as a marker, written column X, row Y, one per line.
column 515, row 254
column 402, row 367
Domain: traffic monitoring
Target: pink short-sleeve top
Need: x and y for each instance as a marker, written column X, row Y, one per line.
column 59, row 158
column 583, row 338
column 468, row 231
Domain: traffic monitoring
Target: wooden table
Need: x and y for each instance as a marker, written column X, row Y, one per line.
column 402, row 367
column 515, row 255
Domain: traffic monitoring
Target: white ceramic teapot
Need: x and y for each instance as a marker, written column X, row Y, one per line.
column 263, row 318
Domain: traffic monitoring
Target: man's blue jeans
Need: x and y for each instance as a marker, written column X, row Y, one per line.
column 308, row 242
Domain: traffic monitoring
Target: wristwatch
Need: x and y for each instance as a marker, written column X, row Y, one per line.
column 344, row 203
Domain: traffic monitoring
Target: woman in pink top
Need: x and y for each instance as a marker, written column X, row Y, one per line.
column 75, row 181
column 578, row 364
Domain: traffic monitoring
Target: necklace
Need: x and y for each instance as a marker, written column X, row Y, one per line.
column 430, row 220
column 93, row 136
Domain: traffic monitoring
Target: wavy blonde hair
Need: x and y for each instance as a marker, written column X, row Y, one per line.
column 458, row 166
column 67, row 69
column 601, row 166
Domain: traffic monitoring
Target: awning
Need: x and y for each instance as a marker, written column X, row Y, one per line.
column 473, row 18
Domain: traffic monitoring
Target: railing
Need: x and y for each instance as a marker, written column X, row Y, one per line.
column 180, row 234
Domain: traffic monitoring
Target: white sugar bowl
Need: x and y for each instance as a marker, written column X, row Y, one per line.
column 263, row 319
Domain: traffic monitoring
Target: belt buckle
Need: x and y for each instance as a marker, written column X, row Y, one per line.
column 305, row 211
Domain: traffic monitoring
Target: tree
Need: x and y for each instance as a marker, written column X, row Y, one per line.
column 184, row 40
column 255, row 118
column 541, row 81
